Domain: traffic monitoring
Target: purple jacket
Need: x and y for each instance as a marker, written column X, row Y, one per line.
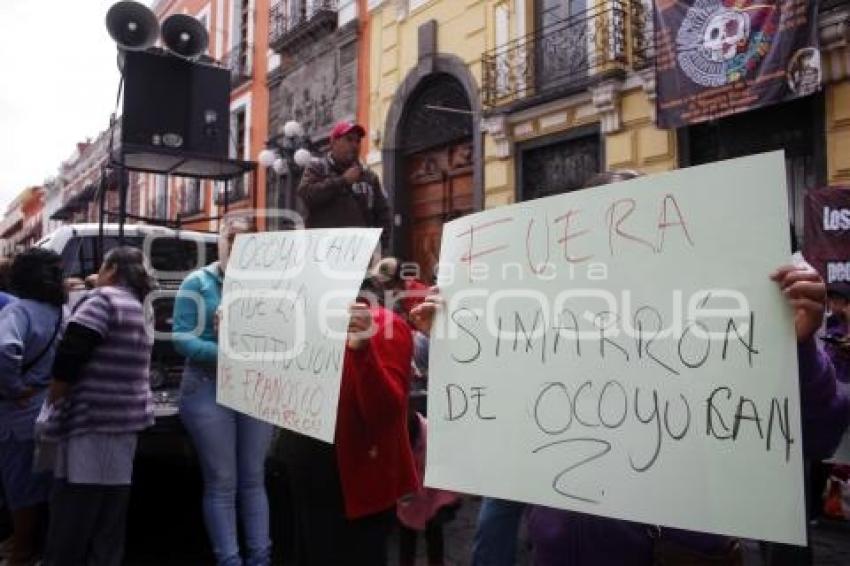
column 838, row 327
column 566, row 538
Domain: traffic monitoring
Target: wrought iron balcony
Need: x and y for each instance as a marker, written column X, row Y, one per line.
column 295, row 22
column 569, row 55
column 240, row 62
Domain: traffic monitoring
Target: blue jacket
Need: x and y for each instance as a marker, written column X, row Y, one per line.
column 26, row 328
column 194, row 314
column 5, row 299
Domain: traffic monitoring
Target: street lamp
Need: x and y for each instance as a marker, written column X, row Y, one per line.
column 286, row 154
column 283, row 150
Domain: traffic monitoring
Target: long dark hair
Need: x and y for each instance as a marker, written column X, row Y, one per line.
column 131, row 270
column 36, row 274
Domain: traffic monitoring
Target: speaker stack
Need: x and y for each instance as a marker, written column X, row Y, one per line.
column 176, row 104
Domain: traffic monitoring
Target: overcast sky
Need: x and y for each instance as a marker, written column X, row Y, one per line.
column 58, row 84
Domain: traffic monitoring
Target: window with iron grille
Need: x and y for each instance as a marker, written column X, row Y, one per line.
column 244, row 22
column 239, row 125
column 239, row 131
column 559, row 164
column 160, row 203
column 561, row 49
column 288, row 16
column 191, row 196
column 237, row 189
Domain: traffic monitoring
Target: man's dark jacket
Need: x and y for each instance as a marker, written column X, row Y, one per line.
column 332, row 202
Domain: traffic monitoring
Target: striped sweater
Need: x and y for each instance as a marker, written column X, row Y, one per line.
column 112, row 393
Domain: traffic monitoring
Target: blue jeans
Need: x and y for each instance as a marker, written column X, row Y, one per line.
column 496, row 534
column 232, row 449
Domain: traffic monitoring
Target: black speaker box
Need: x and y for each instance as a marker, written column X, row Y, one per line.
column 175, row 104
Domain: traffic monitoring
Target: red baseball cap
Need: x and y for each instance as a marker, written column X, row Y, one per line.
column 344, row 128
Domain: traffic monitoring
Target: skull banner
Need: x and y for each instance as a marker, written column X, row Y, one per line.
column 721, row 57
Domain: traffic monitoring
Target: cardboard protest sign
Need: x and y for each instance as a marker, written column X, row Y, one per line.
column 621, row 351
column 283, row 331
column 826, row 244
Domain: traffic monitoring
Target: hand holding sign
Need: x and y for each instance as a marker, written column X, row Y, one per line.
column 422, row 315
column 360, row 327
column 806, row 293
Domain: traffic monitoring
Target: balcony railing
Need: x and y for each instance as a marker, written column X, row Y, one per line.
column 239, row 61
column 570, row 54
column 293, row 21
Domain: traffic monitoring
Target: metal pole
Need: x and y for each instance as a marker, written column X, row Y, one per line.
column 123, row 181
column 98, row 255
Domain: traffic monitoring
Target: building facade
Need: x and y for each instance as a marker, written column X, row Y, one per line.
column 313, row 80
column 52, row 204
column 80, row 180
column 21, row 226
column 481, row 103
column 238, row 40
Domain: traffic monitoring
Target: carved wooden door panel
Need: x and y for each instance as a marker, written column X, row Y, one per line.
column 440, row 184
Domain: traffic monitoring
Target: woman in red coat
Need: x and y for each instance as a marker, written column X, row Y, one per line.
column 344, row 494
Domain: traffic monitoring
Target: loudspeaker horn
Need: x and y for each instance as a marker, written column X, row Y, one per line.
column 132, row 25
column 184, row 35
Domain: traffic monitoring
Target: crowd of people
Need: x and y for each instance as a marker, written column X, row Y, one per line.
column 75, row 394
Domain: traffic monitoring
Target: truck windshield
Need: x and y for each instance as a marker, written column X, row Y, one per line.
column 177, row 256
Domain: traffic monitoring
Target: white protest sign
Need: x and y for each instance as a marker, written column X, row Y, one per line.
column 283, row 331
column 621, row 351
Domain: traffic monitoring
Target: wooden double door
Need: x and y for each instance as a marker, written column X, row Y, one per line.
column 439, row 181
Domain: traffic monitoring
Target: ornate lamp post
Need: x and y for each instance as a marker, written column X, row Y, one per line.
column 286, row 155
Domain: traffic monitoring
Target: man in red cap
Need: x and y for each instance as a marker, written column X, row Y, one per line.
column 339, row 192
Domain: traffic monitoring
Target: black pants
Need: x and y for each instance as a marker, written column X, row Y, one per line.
column 433, row 544
column 87, row 525
column 323, row 534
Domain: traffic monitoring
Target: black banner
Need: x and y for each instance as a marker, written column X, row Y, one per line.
column 721, row 57
column 826, row 237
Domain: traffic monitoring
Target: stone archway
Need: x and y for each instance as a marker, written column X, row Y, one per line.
column 437, row 81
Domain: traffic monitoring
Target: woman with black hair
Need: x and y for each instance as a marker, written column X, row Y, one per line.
column 102, row 399
column 28, row 331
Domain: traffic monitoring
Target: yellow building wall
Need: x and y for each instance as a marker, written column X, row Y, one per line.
column 838, row 133
column 639, row 145
column 466, row 29
column 461, row 30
